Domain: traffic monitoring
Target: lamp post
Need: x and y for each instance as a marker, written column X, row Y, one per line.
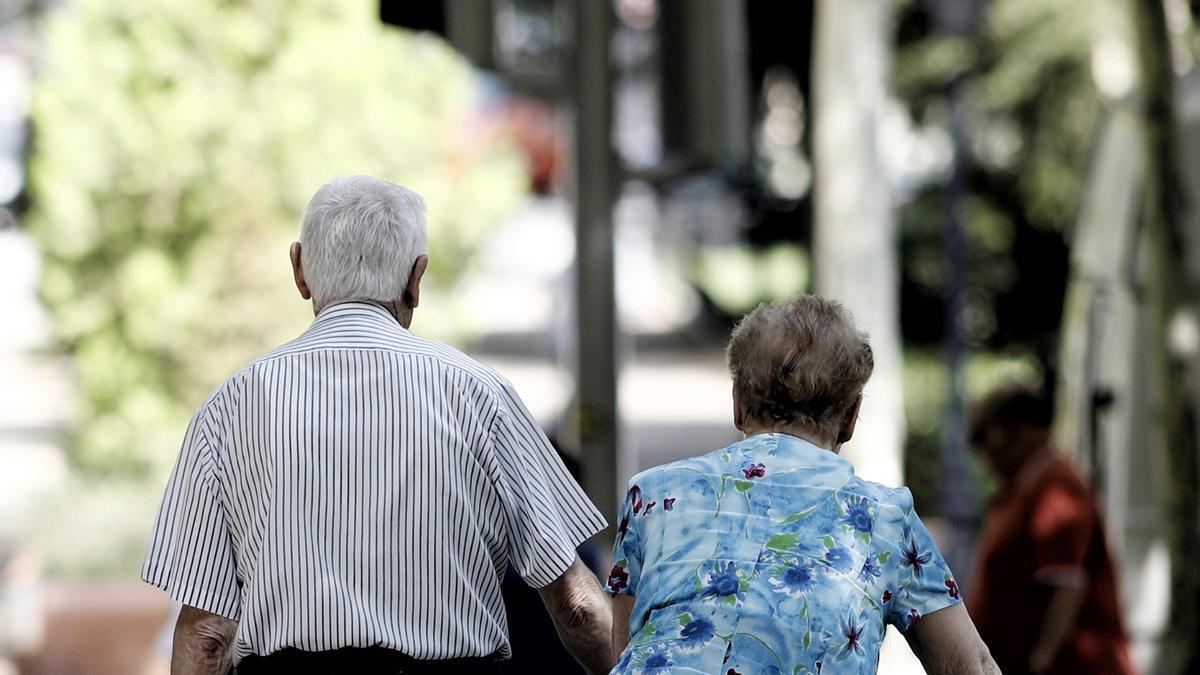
column 956, row 19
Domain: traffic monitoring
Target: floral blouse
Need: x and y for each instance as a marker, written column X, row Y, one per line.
column 769, row 556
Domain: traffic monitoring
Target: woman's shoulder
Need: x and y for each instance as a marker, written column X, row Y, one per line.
column 899, row 498
column 677, row 470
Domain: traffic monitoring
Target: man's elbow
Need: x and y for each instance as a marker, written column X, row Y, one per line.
column 214, row 648
column 583, row 609
column 203, row 642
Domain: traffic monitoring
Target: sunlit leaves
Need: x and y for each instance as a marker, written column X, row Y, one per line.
column 177, row 143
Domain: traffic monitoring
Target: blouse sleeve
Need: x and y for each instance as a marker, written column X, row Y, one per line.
column 926, row 583
column 627, row 549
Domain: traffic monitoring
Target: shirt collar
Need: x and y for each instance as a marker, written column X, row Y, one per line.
column 354, row 311
column 806, row 452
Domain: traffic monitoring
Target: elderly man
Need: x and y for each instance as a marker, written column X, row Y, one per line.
column 348, row 503
column 770, row 555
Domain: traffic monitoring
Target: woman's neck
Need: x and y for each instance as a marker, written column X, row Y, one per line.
column 804, row 434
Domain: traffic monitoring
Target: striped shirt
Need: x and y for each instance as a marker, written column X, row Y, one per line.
column 363, row 486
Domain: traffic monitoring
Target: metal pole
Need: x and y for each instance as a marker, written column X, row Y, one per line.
column 958, row 19
column 958, row 505
column 595, row 303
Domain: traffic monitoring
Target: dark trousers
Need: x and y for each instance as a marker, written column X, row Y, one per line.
column 361, row 661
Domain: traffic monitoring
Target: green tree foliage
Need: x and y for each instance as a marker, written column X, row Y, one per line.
column 176, row 146
column 1032, row 109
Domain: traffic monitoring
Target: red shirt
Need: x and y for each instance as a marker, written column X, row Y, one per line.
column 1046, row 525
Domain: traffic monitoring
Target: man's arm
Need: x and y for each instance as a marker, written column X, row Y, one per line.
column 622, row 608
column 582, row 616
column 1061, row 613
column 203, row 643
column 948, row 644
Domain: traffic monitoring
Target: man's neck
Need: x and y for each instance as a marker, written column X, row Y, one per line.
column 399, row 311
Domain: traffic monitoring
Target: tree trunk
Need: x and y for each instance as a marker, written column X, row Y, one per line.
column 854, row 252
column 1170, row 290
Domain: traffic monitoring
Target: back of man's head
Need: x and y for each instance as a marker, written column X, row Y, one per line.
column 360, row 237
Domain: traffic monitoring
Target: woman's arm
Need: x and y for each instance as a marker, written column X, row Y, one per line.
column 622, row 608
column 948, row 644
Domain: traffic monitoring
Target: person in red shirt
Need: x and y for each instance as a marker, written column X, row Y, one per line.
column 1045, row 592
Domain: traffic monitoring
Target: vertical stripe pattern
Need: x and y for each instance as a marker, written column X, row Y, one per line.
column 363, row 486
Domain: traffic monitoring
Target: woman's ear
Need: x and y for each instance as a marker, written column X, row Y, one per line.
column 849, row 420
column 737, row 410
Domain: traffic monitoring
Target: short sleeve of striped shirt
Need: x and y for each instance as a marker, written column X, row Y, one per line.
column 547, row 513
column 190, row 554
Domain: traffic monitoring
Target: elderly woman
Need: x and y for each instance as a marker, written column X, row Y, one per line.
column 770, row 555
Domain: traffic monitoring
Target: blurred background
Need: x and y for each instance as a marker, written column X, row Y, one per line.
column 1000, row 190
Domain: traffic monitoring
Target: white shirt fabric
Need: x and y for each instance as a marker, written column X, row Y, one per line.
column 363, row 486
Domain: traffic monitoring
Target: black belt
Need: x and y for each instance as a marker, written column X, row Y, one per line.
column 361, row 661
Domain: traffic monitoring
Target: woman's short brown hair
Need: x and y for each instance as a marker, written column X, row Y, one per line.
column 799, row 362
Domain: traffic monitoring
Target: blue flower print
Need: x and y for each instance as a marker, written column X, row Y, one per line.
column 839, row 559
column 858, row 514
column 696, row 634
column 769, row 557
column 870, row 569
column 655, row 660
column 723, row 582
column 914, row 559
column 854, row 634
column 794, row 580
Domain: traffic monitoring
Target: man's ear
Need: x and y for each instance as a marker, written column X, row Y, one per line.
column 849, row 420
column 298, row 272
column 412, row 292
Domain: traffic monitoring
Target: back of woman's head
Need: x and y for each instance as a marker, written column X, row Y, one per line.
column 799, row 363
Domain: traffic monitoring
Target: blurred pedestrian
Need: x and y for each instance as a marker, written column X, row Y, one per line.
column 349, row 502
column 770, row 555
column 1045, row 593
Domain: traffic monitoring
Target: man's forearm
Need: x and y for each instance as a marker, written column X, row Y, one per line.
column 582, row 616
column 1061, row 614
column 203, row 643
column 588, row 635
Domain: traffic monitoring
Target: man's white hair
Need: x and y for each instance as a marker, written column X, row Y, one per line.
column 359, row 239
